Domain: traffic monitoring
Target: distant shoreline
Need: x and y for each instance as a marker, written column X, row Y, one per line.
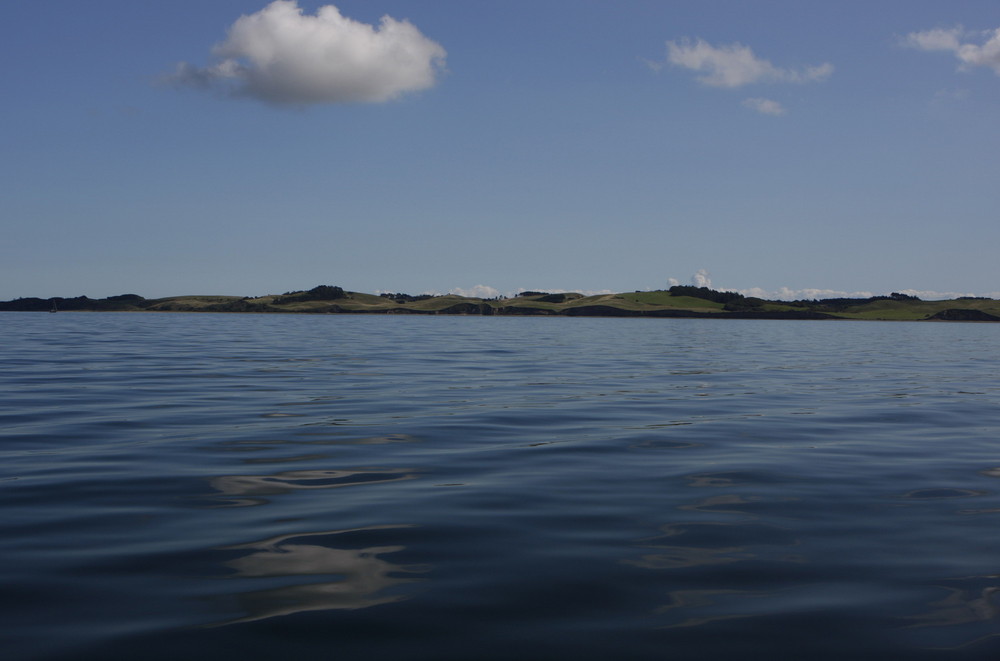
column 678, row 302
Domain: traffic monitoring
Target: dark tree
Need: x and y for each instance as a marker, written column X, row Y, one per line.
column 706, row 294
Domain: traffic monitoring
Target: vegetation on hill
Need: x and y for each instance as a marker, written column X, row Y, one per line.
column 678, row 301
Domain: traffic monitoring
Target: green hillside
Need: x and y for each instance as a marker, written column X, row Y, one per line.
column 678, row 301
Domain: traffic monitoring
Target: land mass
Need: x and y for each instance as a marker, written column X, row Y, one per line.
column 678, row 301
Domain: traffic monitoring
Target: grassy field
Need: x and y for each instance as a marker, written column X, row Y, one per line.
column 917, row 310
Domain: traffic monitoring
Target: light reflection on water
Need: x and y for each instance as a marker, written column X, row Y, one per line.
column 361, row 578
column 498, row 488
column 288, row 481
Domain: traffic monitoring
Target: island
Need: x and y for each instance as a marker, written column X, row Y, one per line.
column 676, row 302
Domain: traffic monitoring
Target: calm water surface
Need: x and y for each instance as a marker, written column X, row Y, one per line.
column 185, row 486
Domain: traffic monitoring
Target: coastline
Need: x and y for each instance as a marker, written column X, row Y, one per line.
column 675, row 303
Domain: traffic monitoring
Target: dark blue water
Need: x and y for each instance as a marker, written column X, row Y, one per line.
column 184, row 486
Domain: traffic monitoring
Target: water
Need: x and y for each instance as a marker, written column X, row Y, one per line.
column 351, row 487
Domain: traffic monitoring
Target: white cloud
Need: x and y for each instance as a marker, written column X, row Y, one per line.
column 788, row 294
column 932, row 295
column 557, row 290
column 764, row 106
column 280, row 55
column 945, row 100
column 479, row 291
column 937, row 39
column 969, row 54
column 702, row 279
column 735, row 65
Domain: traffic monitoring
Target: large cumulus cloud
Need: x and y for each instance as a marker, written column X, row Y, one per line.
column 281, row 56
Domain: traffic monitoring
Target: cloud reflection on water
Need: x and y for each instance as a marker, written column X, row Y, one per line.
column 255, row 486
column 725, row 558
column 964, row 606
column 709, row 599
column 353, row 578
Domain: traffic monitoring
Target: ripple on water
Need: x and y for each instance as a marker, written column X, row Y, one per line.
column 337, row 576
column 231, row 487
column 615, row 488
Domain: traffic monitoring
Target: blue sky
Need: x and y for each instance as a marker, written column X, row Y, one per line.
column 777, row 148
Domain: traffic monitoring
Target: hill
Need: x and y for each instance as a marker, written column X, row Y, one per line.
column 678, row 301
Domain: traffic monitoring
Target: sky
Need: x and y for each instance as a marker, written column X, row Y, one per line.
column 785, row 149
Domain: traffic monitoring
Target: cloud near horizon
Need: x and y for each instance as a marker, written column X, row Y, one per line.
column 950, row 39
column 485, row 291
column 479, row 291
column 734, row 65
column 788, row 294
column 702, row 279
column 284, row 57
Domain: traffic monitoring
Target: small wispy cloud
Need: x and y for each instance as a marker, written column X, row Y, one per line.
column 948, row 100
column 959, row 42
column 764, row 106
column 559, row 290
column 734, row 65
column 281, row 56
column 702, row 278
column 936, row 39
column 952, row 95
column 789, row 294
column 485, row 291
